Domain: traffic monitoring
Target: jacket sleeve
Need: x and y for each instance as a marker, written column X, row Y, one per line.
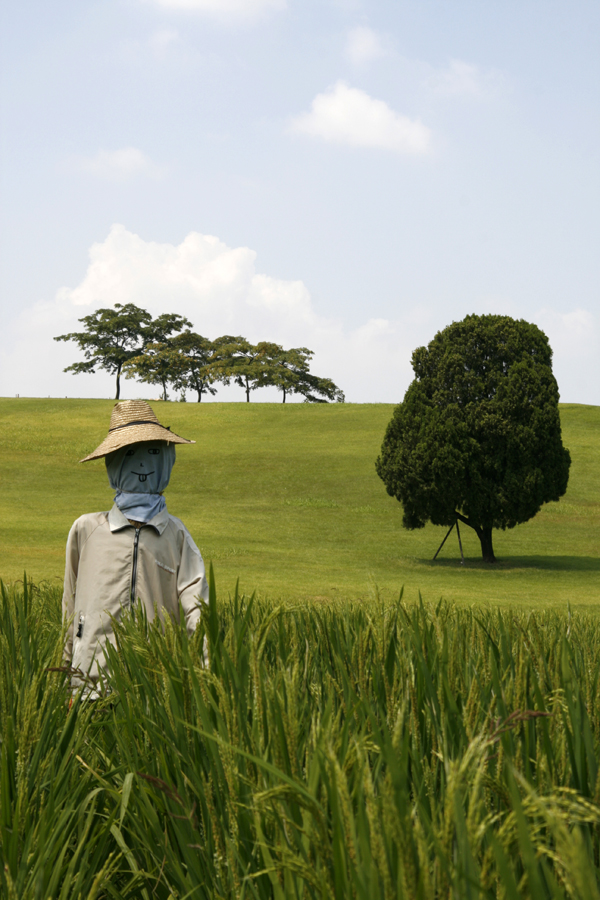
column 192, row 586
column 68, row 600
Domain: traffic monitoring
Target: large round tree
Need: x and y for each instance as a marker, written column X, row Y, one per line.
column 477, row 437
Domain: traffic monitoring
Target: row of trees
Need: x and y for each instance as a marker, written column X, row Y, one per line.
column 126, row 340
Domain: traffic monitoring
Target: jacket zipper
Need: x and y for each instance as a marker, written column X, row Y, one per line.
column 134, row 568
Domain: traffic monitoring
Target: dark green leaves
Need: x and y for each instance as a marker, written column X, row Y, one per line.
column 157, row 351
column 478, row 432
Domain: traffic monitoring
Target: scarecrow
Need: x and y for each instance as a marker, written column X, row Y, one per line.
column 135, row 552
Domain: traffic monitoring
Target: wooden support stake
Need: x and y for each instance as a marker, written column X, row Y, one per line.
column 462, row 555
column 445, row 539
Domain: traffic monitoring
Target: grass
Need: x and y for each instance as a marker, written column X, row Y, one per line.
column 286, row 498
column 343, row 752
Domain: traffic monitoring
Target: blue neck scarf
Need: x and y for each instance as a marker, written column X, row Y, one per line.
column 139, row 473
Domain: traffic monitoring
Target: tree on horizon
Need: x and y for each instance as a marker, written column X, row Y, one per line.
column 267, row 364
column 289, row 373
column 477, row 437
column 127, row 340
column 236, row 359
column 113, row 338
column 182, row 361
column 195, row 354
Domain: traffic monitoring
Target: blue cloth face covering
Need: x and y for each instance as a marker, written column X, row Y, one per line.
column 139, row 473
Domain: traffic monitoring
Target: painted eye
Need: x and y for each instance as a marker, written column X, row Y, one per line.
column 153, row 451
column 130, row 453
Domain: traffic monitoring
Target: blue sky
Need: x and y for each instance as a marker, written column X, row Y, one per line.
column 349, row 176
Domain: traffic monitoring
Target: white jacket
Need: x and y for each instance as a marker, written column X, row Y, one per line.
column 111, row 564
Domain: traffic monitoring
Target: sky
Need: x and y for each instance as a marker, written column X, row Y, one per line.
column 346, row 175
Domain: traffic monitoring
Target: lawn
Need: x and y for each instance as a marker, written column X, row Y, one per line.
column 286, row 498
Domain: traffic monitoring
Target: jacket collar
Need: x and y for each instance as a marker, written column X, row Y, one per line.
column 117, row 521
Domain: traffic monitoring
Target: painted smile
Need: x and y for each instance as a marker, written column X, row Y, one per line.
column 142, row 475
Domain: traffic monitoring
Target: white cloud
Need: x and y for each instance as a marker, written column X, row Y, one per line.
column 347, row 115
column 464, row 79
column 363, row 45
column 223, row 9
column 119, row 165
column 218, row 288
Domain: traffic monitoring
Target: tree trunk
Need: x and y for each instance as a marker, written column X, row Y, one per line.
column 247, row 390
column 283, row 401
column 118, row 394
column 485, row 538
column 164, row 384
column 487, row 550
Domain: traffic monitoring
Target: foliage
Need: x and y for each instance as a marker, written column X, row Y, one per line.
column 289, row 373
column 162, row 327
column 111, row 338
column 477, row 436
column 156, row 351
column 55, row 823
column 236, row 359
column 114, row 339
column 195, row 353
column 354, row 751
column 186, row 360
column 254, row 366
column 160, row 362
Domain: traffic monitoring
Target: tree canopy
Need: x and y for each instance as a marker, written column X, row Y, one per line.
column 477, row 437
column 268, row 364
column 111, row 338
column 236, row 359
column 196, row 353
column 289, row 373
column 159, row 363
column 128, row 340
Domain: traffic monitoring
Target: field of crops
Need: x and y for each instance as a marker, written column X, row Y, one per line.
column 357, row 750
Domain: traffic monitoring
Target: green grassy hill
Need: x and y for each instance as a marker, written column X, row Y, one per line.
column 286, row 498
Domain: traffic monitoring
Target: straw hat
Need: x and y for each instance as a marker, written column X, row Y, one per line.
column 132, row 421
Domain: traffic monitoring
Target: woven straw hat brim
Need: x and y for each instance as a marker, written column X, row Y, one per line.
column 131, row 435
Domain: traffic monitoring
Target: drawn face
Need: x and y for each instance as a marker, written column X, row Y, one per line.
column 144, row 467
column 142, row 462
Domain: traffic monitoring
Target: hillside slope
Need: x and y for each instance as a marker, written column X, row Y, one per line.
column 286, row 498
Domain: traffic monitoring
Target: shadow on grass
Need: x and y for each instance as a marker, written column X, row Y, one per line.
column 547, row 563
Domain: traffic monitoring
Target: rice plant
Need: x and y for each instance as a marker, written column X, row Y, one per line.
column 358, row 750
column 55, row 838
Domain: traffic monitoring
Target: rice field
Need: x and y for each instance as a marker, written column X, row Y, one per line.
column 364, row 750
